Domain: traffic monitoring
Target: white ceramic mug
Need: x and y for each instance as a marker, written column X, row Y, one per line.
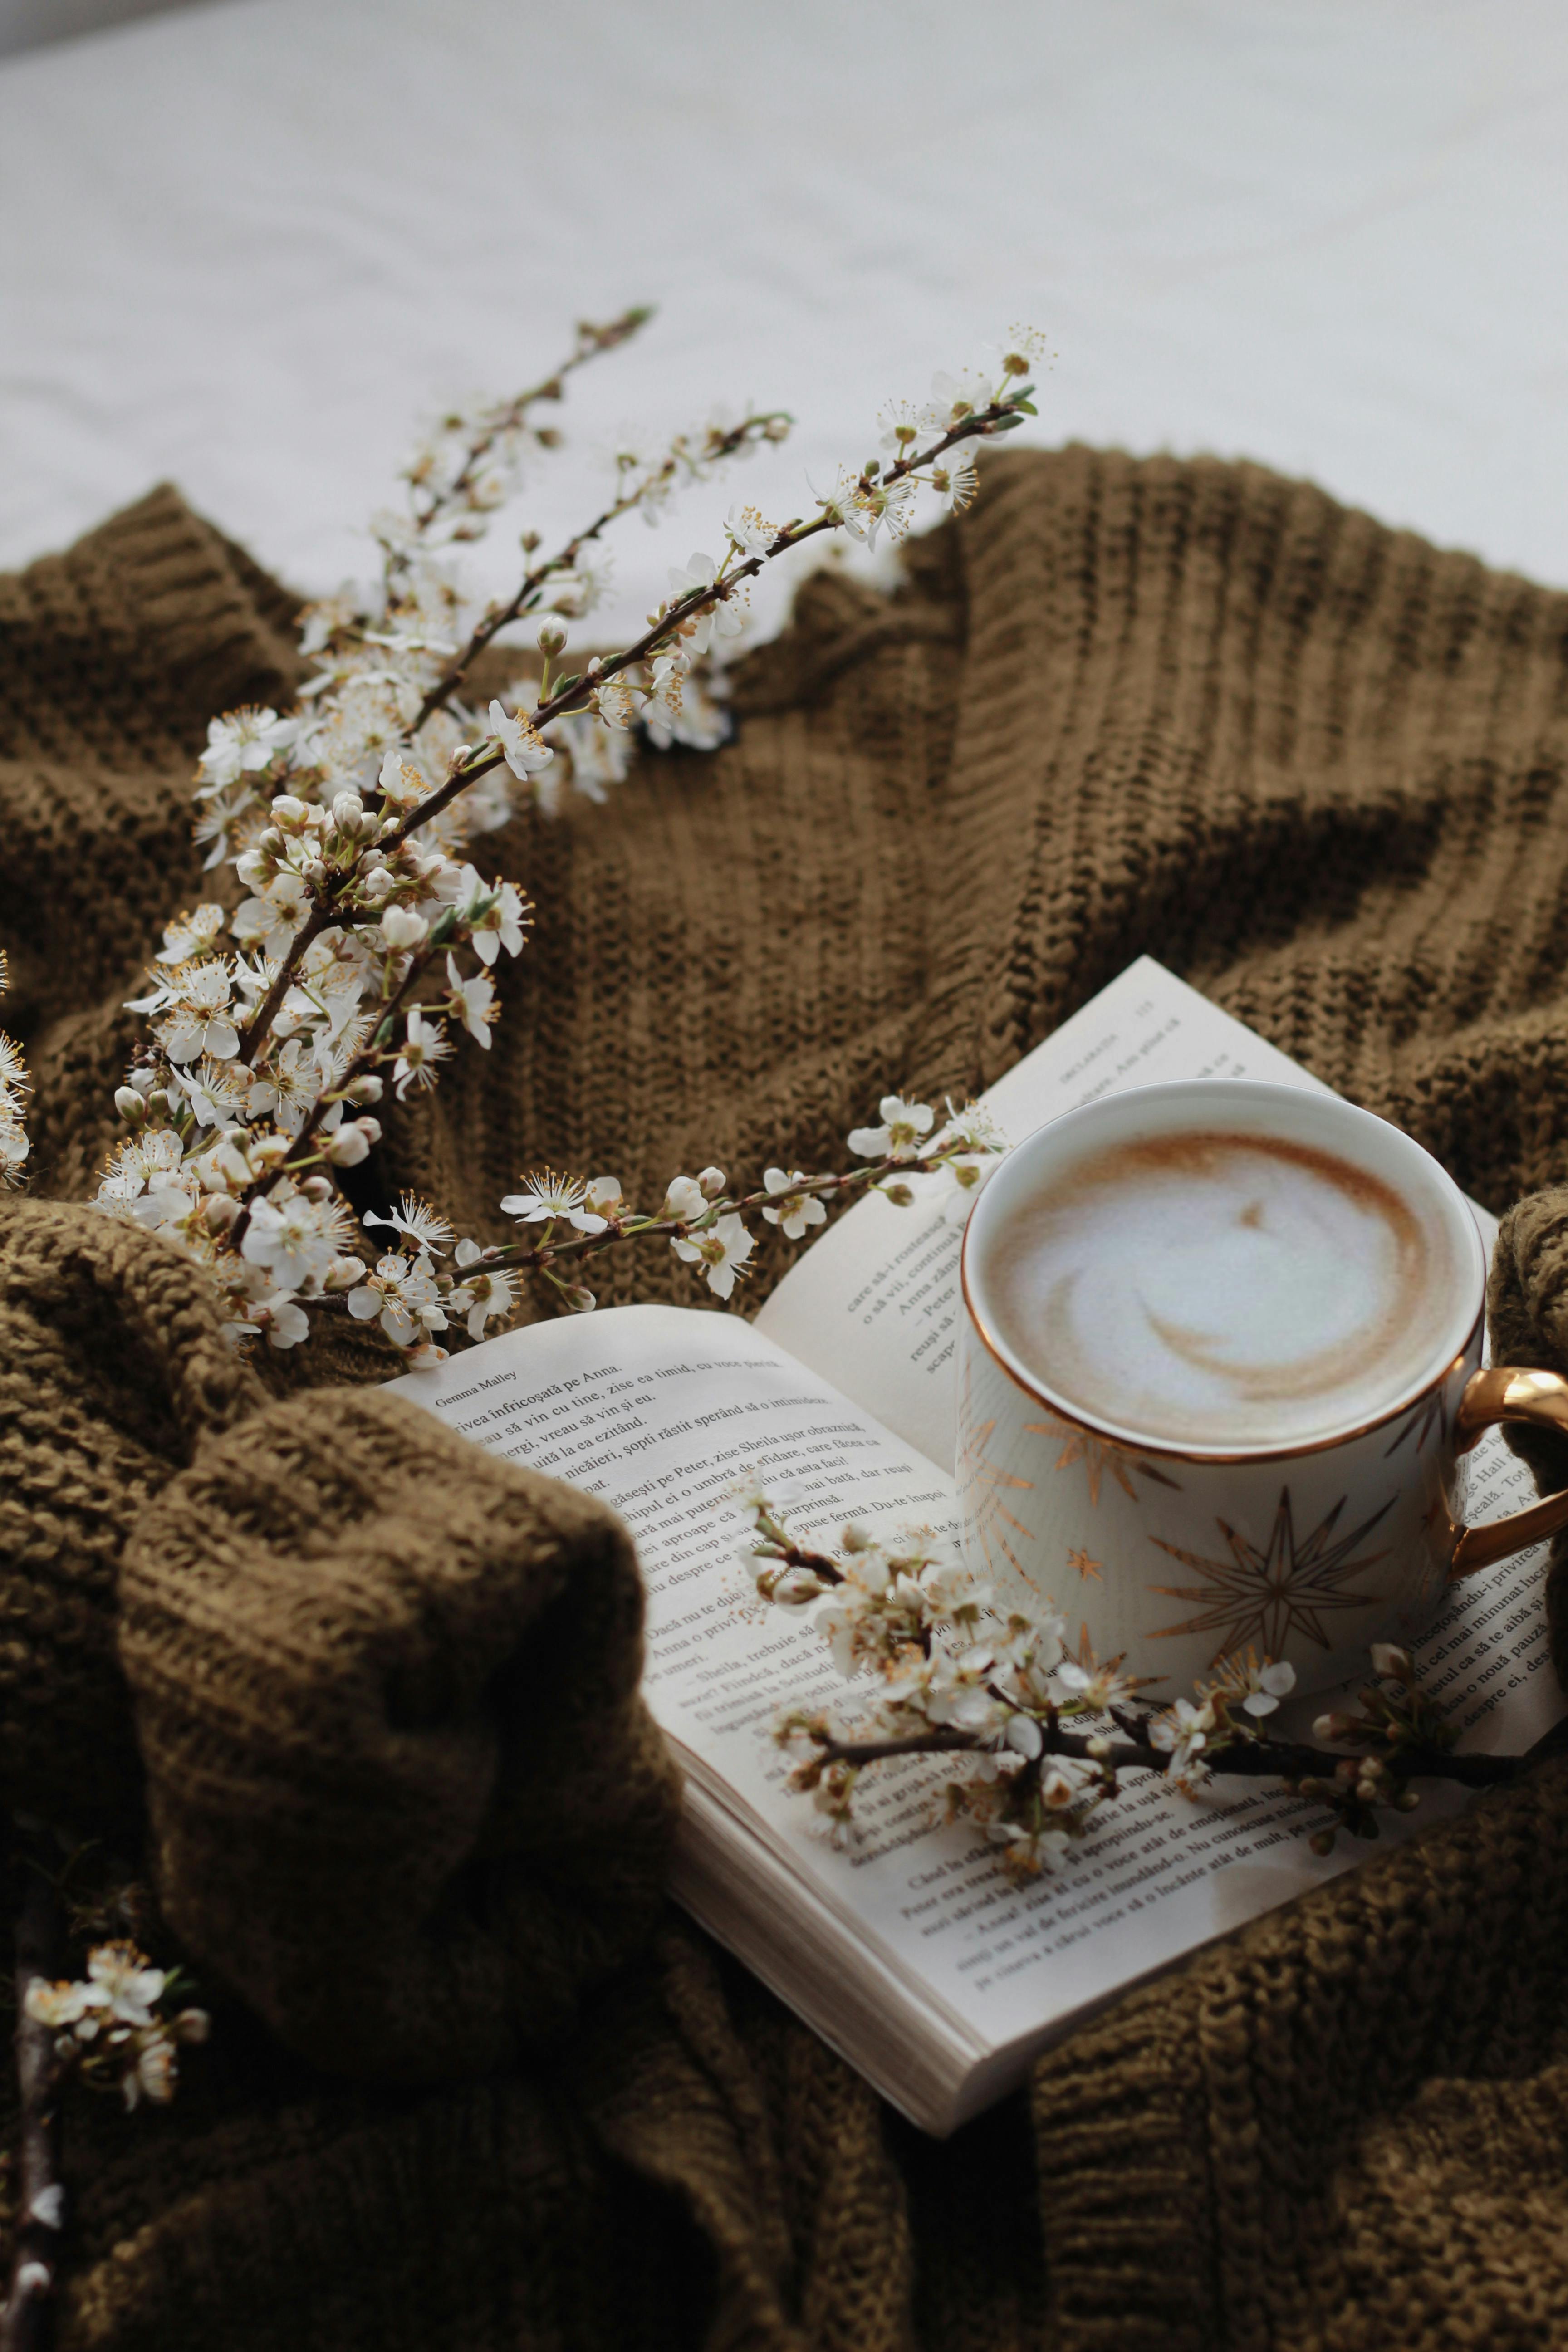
column 1171, row 1556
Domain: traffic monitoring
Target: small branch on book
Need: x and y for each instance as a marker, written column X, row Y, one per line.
column 1263, row 1760
column 965, row 1673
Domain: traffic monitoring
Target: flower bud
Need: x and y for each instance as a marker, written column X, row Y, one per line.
column 317, row 1189
column 348, row 811
column 551, row 638
column 343, row 1274
column 158, row 1105
column 219, row 1211
column 900, row 1195
column 315, row 873
column 271, row 841
column 268, row 1151
column 1321, row 1842
column 401, row 928
column 367, row 1090
column 1394, row 1663
column 580, row 1301
column 289, row 815
column 711, row 1182
column 130, row 1106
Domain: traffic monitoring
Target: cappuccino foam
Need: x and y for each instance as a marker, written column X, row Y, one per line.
column 1218, row 1288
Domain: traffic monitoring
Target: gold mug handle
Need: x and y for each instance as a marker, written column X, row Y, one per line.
column 1503, row 1392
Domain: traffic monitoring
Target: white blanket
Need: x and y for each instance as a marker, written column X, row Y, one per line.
column 243, row 245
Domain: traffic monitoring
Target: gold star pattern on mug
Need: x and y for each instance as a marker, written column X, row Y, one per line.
column 1420, row 1423
column 1264, row 1593
column 1087, row 1567
column 1099, row 1455
column 995, row 1527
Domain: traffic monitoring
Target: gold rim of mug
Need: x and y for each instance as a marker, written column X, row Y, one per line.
column 1168, row 1453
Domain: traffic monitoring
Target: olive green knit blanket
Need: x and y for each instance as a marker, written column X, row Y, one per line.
column 365, row 1701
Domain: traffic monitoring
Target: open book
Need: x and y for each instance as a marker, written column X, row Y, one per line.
column 908, row 1949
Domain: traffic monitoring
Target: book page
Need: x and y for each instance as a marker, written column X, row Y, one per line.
column 658, row 1411
column 874, row 1303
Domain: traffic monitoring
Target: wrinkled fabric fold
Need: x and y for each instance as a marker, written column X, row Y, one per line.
column 405, row 1794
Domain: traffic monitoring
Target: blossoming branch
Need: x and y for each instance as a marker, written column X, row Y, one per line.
column 1042, row 1733
column 360, row 942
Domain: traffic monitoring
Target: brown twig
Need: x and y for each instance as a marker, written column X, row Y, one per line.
column 25, row 2321
column 564, row 557
column 591, row 342
column 983, row 424
column 527, row 1257
column 1261, row 1760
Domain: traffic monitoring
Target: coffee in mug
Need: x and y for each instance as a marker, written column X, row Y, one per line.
column 1218, row 1372
column 1208, row 1285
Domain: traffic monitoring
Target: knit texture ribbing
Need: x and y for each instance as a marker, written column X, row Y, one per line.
column 1319, row 768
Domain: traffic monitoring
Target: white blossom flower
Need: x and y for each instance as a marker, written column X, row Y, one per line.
column 667, row 674
column 721, row 1251
column 501, row 924
column 615, row 703
column 425, row 1045
column 142, row 1159
column 483, row 1294
column 952, row 398
column 599, row 755
column 272, row 916
column 200, row 1022
column 61, row 2006
column 417, row 1222
column 401, row 785
column 688, row 713
column 547, row 1197
column 130, row 1987
column 218, row 1092
column 525, row 752
column 953, row 477
column 155, row 2071
column 1097, row 1687
column 401, row 1293
column 749, row 531
column 192, row 934
column 474, row 1001
column 401, row 928
column 899, row 1137
column 604, row 1196
column 791, row 1210
column 296, row 1239
column 1259, row 1688
column 1027, row 1852
column 685, row 1199
column 329, row 617
column 13, row 1147
column 353, row 1143
column 720, row 619
column 1183, row 1734
column 866, row 507
column 239, row 744
column 277, row 1314
column 900, row 421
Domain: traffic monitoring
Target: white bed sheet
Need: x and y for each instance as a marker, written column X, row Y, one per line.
column 243, row 245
